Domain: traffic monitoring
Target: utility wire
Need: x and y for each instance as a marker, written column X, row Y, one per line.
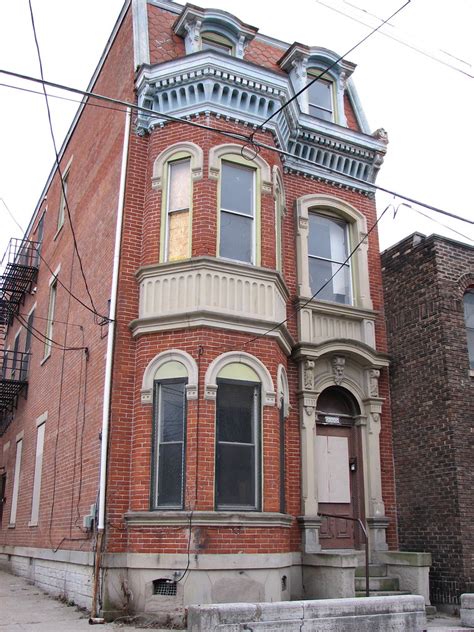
column 56, row 153
column 328, row 68
column 298, row 308
column 235, row 136
column 43, row 337
column 400, row 41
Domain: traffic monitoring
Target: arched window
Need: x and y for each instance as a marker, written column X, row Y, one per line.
column 174, row 172
column 241, row 183
column 336, row 406
column 241, row 385
column 469, row 320
column 328, row 229
column 170, row 379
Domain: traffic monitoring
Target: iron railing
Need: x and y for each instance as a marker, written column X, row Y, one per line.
column 366, row 542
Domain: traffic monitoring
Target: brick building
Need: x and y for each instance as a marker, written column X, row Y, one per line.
column 429, row 303
column 191, row 445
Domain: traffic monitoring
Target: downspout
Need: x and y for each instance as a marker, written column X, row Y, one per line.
column 108, row 375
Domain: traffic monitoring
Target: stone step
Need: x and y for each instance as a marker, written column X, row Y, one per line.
column 375, row 570
column 383, row 593
column 378, row 583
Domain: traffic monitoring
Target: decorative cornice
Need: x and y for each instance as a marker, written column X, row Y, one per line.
column 203, row 84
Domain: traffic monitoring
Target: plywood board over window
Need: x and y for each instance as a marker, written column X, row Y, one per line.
column 332, row 469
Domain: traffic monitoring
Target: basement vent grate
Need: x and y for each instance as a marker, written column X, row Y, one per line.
column 165, row 587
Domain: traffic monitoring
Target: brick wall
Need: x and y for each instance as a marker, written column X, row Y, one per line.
column 432, row 403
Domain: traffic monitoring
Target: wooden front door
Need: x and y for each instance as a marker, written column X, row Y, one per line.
column 338, row 474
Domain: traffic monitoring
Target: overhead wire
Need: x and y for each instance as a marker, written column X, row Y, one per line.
column 413, row 47
column 238, row 136
column 56, row 153
column 328, row 68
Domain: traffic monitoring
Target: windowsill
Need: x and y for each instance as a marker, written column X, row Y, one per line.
column 57, row 232
column 11, row 526
column 471, row 372
column 208, row 518
column 32, row 524
column 46, row 357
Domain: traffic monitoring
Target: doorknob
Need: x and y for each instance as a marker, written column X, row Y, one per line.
column 353, row 464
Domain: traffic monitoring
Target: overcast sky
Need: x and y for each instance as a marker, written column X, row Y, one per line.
column 426, row 108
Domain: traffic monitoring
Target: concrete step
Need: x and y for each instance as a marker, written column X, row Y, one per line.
column 378, row 583
column 383, row 593
column 375, row 570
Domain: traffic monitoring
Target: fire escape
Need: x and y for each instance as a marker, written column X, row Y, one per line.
column 18, row 272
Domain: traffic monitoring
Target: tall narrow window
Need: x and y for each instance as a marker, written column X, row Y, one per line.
column 16, row 481
column 26, row 357
column 178, row 210
column 169, row 429
column 320, row 97
column 237, row 216
column 469, row 320
column 63, row 202
column 35, row 502
column 237, row 445
column 14, row 375
column 328, row 249
column 3, row 489
column 49, row 323
column 279, row 214
column 39, row 238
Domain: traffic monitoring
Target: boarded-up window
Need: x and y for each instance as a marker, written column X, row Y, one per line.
column 178, row 207
column 332, row 469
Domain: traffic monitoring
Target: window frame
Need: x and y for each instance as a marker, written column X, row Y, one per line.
column 156, row 431
column 165, row 216
column 53, row 295
column 63, row 200
column 347, row 232
column 257, row 437
column 255, row 218
column 219, row 41
column 312, row 73
column 468, row 329
column 38, row 469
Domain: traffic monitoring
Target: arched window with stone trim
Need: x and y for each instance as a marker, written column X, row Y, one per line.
column 241, row 385
column 241, row 184
column 169, row 381
column 174, row 172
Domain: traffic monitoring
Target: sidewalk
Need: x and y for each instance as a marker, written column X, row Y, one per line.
column 26, row 608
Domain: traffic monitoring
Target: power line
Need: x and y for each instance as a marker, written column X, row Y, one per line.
column 235, row 136
column 328, row 68
column 43, row 338
column 400, row 41
column 56, row 153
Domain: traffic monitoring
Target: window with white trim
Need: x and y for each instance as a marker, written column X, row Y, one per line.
column 320, row 97
column 178, row 205
column 219, row 43
column 237, row 231
column 35, row 501
column 328, row 249
column 16, row 481
column 53, row 288
column 469, row 320
column 63, row 202
column 169, row 427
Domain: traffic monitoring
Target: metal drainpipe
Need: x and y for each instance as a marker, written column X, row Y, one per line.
column 108, row 375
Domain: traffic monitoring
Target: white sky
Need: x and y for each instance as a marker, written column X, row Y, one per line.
column 426, row 107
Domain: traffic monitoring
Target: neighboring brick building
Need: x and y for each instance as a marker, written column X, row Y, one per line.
column 225, row 406
column 429, row 303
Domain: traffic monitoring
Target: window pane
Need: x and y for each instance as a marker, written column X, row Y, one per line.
column 179, row 185
column 170, row 474
column 178, row 236
column 320, row 113
column 469, row 309
column 470, row 346
column 237, row 188
column 236, row 237
column 338, row 289
column 320, row 95
column 171, row 412
column 235, row 406
column 327, row 238
column 209, row 44
column 235, row 475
